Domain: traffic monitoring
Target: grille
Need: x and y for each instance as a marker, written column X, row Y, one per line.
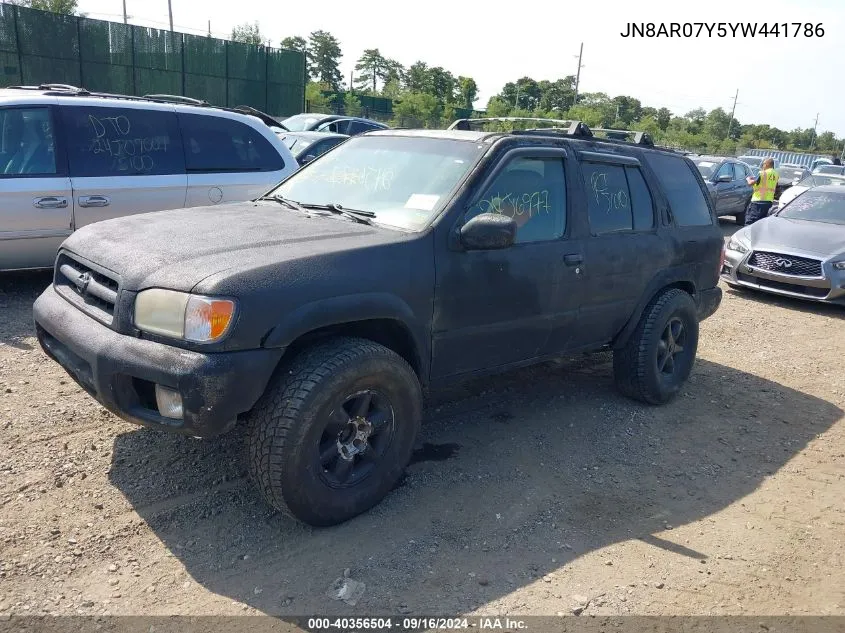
column 786, row 264
column 808, row 291
column 91, row 290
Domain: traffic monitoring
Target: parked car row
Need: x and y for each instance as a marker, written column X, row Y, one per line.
column 69, row 157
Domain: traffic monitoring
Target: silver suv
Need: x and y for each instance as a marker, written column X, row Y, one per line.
column 70, row 158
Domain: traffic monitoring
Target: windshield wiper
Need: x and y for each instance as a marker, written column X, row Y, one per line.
column 290, row 204
column 353, row 214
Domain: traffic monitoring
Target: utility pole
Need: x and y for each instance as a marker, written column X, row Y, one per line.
column 125, row 17
column 733, row 110
column 578, row 74
column 815, row 125
column 516, row 101
column 209, row 28
column 170, row 11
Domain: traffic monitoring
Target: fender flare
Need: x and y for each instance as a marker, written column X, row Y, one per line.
column 681, row 275
column 346, row 309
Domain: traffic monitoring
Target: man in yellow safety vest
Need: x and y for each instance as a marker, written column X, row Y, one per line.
column 764, row 192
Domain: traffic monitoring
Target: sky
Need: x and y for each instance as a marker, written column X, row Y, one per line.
column 782, row 81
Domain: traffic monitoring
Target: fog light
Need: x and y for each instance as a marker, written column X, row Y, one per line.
column 169, row 402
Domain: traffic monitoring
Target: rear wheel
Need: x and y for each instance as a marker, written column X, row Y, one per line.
column 658, row 358
column 332, row 435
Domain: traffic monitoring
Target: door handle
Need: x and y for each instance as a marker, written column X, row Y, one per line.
column 94, row 201
column 50, row 202
column 573, row 259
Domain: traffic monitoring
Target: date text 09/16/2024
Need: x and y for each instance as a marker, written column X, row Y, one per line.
column 413, row 624
column 722, row 29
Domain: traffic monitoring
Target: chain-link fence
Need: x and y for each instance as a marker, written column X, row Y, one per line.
column 38, row 47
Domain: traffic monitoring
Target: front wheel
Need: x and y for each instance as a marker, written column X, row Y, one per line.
column 658, row 358
column 333, row 432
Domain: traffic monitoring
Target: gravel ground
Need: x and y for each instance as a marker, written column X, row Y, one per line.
column 539, row 492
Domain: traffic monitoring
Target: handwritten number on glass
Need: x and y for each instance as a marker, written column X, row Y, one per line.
column 128, row 153
column 516, row 204
column 614, row 199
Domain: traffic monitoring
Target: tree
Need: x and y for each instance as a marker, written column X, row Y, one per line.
column 663, row 117
column 557, row 95
column 373, row 67
column 314, row 97
column 467, row 92
column 351, row 105
column 324, row 59
column 65, row 7
column 524, row 93
column 248, row 34
column 417, row 109
column 443, row 84
column 295, row 43
column 417, row 79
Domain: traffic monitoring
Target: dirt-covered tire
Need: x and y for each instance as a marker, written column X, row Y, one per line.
column 651, row 367
column 334, row 430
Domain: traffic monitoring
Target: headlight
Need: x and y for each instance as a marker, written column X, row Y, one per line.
column 181, row 315
column 839, row 265
column 736, row 245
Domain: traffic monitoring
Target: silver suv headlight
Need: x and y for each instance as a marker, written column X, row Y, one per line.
column 184, row 316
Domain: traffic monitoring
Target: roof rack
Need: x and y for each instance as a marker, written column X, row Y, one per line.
column 53, row 89
column 575, row 127
column 176, row 99
column 640, row 138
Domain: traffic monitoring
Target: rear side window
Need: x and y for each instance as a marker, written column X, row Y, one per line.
column 618, row 199
column 686, row 198
column 217, row 144
column 122, row 142
column 27, row 146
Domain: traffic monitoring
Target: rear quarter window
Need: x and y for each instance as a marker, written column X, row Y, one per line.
column 686, row 197
column 218, row 144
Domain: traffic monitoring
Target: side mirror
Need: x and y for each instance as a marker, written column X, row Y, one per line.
column 725, row 178
column 488, row 231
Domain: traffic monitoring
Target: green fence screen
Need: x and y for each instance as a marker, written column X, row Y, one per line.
column 38, row 47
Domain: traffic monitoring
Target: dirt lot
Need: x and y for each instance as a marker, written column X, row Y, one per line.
column 540, row 492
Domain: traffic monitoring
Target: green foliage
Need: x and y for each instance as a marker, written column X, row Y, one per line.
column 295, row 43
column 315, row 98
column 248, row 34
column 351, row 105
column 66, row 7
column 324, row 59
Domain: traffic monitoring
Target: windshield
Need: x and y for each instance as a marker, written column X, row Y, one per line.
column 817, row 206
column 754, row 161
column 829, row 169
column 403, row 180
column 706, row 167
column 791, row 173
column 818, row 180
column 301, row 122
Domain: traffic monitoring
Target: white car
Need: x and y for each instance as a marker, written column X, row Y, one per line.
column 69, row 158
column 813, row 180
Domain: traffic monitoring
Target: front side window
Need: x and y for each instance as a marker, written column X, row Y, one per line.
column 215, row 144
column 740, row 172
column 725, row 170
column 405, row 181
column 533, row 192
column 27, row 145
column 122, row 142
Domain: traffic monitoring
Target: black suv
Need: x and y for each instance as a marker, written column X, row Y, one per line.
column 402, row 260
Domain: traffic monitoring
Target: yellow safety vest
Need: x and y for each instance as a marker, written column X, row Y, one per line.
column 765, row 190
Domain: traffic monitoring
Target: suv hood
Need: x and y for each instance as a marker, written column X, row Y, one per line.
column 178, row 249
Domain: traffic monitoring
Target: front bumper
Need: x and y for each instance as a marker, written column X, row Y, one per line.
column 121, row 371
column 829, row 288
